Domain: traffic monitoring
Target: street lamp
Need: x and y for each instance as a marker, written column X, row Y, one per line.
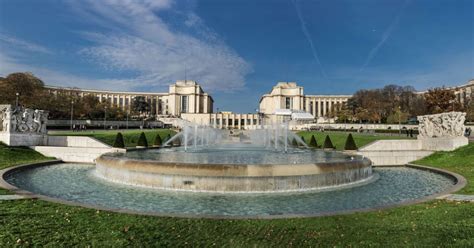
column 17, row 99
column 72, row 112
column 105, row 116
column 127, row 118
column 399, row 120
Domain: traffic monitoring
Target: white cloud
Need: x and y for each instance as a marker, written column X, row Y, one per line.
column 138, row 40
column 22, row 44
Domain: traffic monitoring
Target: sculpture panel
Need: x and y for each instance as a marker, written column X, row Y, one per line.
column 22, row 120
column 450, row 124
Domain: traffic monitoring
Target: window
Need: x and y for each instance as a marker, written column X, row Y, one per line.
column 184, row 104
column 218, row 121
column 311, row 107
column 288, row 103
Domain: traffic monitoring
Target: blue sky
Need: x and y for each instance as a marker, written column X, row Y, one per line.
column 238, row 49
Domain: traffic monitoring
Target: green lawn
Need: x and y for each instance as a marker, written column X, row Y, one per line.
column 339, row 138
column 436, row 223
column 39, row 223
column 460, row 161
column 130, row 137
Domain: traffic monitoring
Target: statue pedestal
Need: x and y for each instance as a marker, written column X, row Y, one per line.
column 443, row 143
column 23, row 139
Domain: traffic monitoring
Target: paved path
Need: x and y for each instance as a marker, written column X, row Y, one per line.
column 13, row 197
column 456, row 197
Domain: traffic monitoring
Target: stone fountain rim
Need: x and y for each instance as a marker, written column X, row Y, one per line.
column 459, row 183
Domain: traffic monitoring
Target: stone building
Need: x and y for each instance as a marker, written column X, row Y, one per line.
column 290, row 96
column 464, row 93
column 182, row 97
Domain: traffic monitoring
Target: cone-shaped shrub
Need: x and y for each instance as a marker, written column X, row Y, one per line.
column 312, row 142
column 294, row 142
column 328, row 143
column 118, row 143
column 157, row 141
column 142, row 140
column 168, row 137
column 350, row 143
column 302, row 138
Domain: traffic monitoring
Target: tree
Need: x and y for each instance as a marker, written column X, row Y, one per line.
column 350, row 143
column 30, row 88
column 140, row 105
column 312, row 142
column 439, row 100
column 470, row 111
column 119, row 141
column 142, row 142
column 328, row 143
column 157, row 141
column 302, row 139
column 398, row 116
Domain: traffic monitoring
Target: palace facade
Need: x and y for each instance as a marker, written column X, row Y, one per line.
column 182, row 97
column 186, row 100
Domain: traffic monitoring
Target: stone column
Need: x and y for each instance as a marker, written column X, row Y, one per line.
column 319, row 107
column 324, row 107
column 330, row 106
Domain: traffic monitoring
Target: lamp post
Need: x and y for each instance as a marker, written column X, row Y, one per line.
column 72, row 112
column 105, row 116
column 399, row 120
column 17, row 99
column 127, row 118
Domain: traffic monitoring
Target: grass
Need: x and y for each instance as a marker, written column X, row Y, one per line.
column 436, row 223
column 39, row 223
column 339, row 139
column 130, row 137
column 460, row 161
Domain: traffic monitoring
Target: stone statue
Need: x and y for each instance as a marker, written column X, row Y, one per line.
column 450, row 124
column 22, row 120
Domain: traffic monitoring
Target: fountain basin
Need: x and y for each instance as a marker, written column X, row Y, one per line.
column 234, row 177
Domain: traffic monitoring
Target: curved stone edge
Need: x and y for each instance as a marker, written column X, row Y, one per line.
column 8, row 171
column 460, row 182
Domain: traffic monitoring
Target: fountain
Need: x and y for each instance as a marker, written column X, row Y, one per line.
column 214, row 160
column 250, row 174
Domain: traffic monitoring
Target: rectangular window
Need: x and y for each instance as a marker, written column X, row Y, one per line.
column 120, row 101
column 184, row 104
column 249, row 121
column 288, row 103
column 218, row 121
column 255, row 121
column 126, row 101
column 311, row 107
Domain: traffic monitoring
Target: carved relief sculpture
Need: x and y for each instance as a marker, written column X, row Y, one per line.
column 450, row 124
column 22, row 120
